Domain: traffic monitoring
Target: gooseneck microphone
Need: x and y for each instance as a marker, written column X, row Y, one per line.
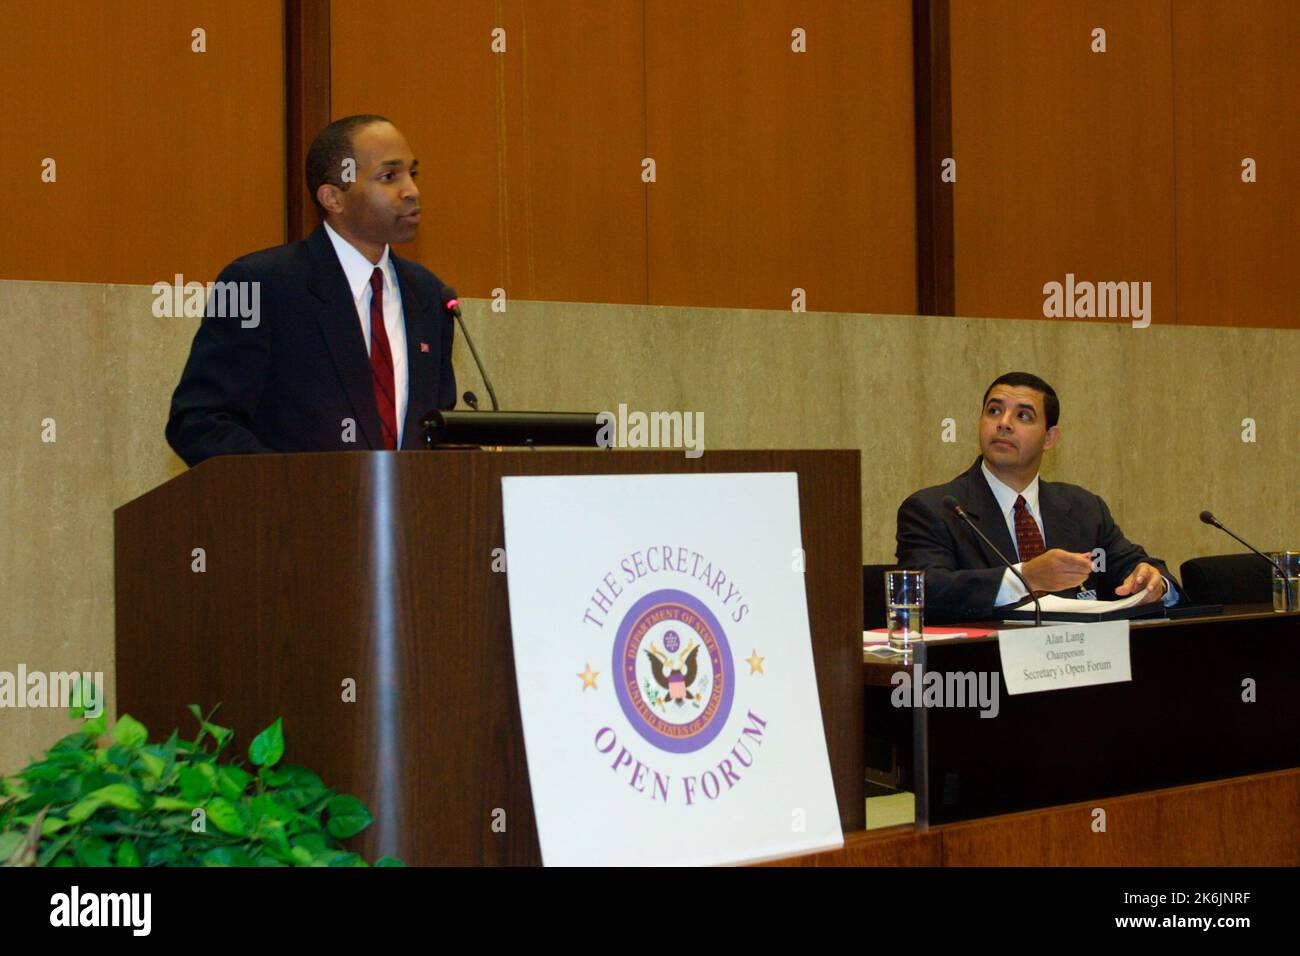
column 452, row 305
column 1211, row 520
column 953, row 505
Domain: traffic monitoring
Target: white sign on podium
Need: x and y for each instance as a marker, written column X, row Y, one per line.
column 665, row 669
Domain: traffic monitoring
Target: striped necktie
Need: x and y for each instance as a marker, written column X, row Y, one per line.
column 381, row 362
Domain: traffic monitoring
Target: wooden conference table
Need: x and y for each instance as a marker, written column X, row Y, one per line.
column 1187, row 767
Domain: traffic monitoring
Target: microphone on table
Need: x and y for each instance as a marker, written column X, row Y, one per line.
column 1211, row 520
column 953, row 505
column 452, row 305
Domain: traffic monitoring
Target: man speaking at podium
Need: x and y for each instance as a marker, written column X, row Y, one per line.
column 1057, row 531
column 348, row 345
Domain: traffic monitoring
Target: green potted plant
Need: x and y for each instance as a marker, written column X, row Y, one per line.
column 105, row 796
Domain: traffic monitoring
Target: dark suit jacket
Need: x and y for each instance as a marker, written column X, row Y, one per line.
column 962, row 576
column 288, row 383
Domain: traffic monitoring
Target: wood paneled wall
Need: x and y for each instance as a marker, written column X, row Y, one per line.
column 1126, row 165
column 1237, row 96
column 1064, row 156
column 774, row 170
column 166, row 160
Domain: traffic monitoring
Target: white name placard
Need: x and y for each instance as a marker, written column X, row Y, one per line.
column 1058, row 656
column 665, row 669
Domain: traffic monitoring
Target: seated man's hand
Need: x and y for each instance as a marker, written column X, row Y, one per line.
column 1144, row 576
column 1057, row 570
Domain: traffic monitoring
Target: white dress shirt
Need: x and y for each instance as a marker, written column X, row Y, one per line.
column 358, row 269
column 1012, row 590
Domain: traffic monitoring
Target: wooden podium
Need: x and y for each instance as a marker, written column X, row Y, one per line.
column 378, row 567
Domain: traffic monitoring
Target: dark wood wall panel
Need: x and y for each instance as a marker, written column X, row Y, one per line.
column 1248, row 821
column 1064, row 156
column 530, row 158
column 1237, row 95
column 168, row 160
column 779, row 170
column 307, row 104
column 1245, row 821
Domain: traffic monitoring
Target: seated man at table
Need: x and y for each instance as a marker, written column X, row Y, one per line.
column 1061, row 537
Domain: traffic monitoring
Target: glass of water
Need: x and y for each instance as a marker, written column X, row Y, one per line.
column 905, row 603
column 1286, row 590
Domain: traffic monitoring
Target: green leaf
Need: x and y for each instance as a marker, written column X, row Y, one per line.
column 84, row 809
column 220, row 734
column 151, row 764
column 129, row 732
column 314, row 843
column 389, row 861
column 348, row 816
column 96, row 727
column 164, row 854
column 40, row 771
column 196, row 785
column 10, row 844
column 273, row 836
column 233, row 781
column 298, row 786
column 72, row 742
column 93, row 851
column 52, row 849
column 49, row 827
column 276, row 776
column 119, row 756
column 268, row 808
column 268, row 747
column 227, row 856
column 172, row 803
column 127, row 854
column 225, row 816
column 119, row 795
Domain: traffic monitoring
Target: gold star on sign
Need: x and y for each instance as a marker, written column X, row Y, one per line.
column 755, row 663
column 589, row 678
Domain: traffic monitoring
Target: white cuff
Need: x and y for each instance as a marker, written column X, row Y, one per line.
column 1171, row 593
column 1011, row 590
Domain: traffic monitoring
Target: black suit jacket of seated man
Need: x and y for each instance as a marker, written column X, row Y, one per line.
column 291, row 380
column 963, row 576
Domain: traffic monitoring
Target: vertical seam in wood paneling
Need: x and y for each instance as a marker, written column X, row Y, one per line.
column 503, row 190
column 645, row 145
column 307, row 80
column 526, row 149
column 1173, row 152
column 932, row 110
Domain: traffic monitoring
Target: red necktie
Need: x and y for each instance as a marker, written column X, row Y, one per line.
column 1029, row 541
column 381, row 362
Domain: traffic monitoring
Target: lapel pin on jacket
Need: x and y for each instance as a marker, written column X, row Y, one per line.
column 424, row 346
